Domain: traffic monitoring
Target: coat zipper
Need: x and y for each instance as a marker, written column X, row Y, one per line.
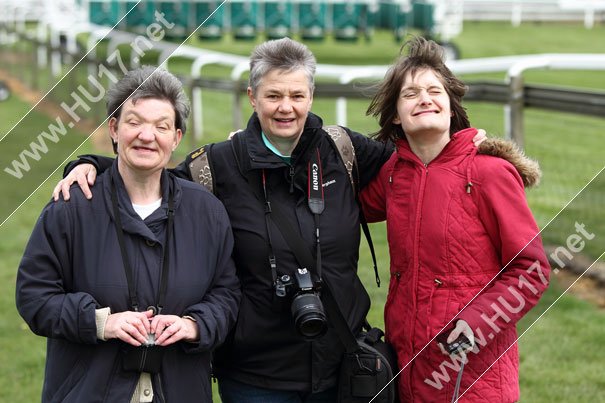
column 160, row 391
column 416, row 262
column 291, row 179
column 417, row 223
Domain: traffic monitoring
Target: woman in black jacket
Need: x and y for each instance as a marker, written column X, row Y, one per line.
column 136, row 287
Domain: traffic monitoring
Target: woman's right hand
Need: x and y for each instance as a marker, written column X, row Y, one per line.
column 129, row 326
column 84, row 174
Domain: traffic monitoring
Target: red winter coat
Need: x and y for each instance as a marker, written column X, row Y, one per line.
column 463, row 245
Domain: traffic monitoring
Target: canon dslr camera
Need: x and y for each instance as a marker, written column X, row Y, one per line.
column 307, row 309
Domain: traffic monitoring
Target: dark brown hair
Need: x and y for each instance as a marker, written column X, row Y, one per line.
column 422, row 54
column 149, row 82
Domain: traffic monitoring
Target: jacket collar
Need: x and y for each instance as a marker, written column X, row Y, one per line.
column 131, row 221
column 460, row 145
column 262, row 157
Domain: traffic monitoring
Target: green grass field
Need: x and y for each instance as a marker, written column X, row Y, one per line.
column 560, row 357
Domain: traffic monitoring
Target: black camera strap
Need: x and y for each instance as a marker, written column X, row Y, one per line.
column 296, row 243
column 268, row 211
column 315, row 199
column 275, row 213
column 127, row 268
column 303, row 254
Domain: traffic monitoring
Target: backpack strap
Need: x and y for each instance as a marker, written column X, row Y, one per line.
column 199, row 167
column 345, row 149
column 200, row 171
column 342, row 141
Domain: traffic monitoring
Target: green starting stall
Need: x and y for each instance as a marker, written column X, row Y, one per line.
column 396, row 16
column 312, row 20
column 104, row 12
column 139, row 15
column 210, row 17
column 277, row 19
column 351, row 20
column 244, row 19
column 423, row 16
column 178, row 13
column 345, row 20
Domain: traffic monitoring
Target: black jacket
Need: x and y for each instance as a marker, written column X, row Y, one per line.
column 72, row 265
column 264, row 348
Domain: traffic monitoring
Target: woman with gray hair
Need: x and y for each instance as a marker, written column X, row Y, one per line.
column 132, row 290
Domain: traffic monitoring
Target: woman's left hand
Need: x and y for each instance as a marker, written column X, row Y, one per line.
column 169, row 329
column 462, row 328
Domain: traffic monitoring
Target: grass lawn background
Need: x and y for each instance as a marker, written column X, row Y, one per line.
column 560, row 357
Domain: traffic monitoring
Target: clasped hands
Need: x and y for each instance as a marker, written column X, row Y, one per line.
column 134, row 328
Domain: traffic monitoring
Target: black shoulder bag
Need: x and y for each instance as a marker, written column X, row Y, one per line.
column 369, row 364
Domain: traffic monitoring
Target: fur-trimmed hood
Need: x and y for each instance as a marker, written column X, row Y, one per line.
column 528, row 169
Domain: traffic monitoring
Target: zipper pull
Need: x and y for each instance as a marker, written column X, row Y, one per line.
column 438, row 282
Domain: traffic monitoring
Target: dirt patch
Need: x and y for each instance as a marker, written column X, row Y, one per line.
column 590, row 285
column 585, row 288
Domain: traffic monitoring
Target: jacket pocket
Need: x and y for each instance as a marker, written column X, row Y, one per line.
column 69, row 385
column 436, row 309
column 115, row 368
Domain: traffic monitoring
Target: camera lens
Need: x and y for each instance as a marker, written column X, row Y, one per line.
column 309, row 316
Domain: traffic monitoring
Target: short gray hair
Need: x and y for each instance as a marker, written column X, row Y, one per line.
column 281, row 54
column 149, row 82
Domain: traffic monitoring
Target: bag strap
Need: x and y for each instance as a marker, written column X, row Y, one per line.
column 346, row 151
column 199, row 167
column 458, row 382
column 132, row 291
column 342, row 141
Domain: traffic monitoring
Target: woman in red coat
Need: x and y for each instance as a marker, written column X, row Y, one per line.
column 466, row 255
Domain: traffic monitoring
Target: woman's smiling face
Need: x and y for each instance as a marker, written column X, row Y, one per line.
column 423, row 105
column 282, row 102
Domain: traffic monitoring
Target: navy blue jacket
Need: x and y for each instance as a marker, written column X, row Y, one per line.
column 72, row 265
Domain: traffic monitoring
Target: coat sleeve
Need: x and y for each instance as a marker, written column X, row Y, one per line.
column 103, row 163
column 100, row 163
column 217, row 312
column 373, row 196
column 42, row 292
column 371, row 156
column 524, row 273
